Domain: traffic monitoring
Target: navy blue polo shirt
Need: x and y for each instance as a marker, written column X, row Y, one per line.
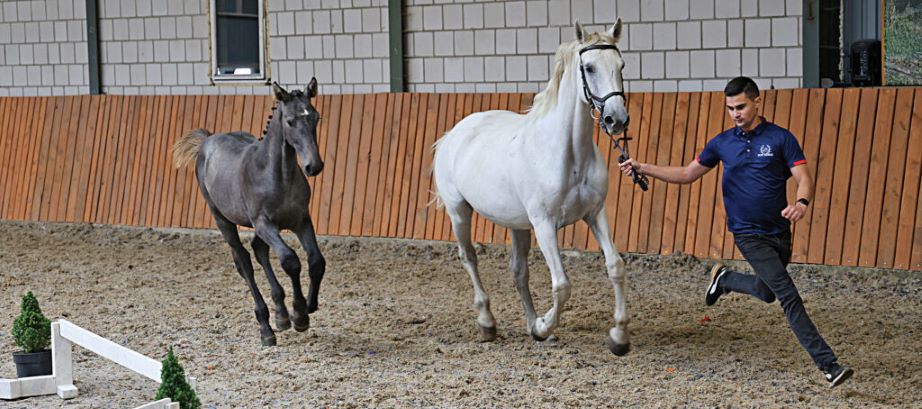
column 757, row 165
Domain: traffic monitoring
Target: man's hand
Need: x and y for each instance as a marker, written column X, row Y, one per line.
column 629, row 165
column 794, row 212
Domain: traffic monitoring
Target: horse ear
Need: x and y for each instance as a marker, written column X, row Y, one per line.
column 311, row 88
column 580, row 33
column 615, row 30
column 279, row 92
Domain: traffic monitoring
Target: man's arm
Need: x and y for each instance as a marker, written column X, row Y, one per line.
column 670, row 174
column 795, row 211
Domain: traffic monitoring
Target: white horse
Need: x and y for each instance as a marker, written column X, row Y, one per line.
column 541, row 171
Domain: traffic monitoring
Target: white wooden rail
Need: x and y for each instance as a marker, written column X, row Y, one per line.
column 61, row 382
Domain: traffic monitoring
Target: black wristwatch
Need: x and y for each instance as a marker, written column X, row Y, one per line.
column 804, row 202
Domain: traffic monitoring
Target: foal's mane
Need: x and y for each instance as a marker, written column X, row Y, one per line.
column 546, row 100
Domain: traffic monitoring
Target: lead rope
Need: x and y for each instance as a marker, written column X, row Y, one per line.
column 638, row 178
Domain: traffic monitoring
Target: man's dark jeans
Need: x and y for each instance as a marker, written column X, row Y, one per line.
column 769, row 256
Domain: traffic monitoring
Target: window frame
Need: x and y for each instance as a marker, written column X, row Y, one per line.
column 263, row 76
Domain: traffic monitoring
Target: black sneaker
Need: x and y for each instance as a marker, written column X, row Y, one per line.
column 714, row 291
column 836, row 374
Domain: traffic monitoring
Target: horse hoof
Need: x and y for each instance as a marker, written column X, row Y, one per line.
column 615, row 348
column 302, row 323
column 537, row 337
column 282, row 324
column 487, row 334
column 269, row 341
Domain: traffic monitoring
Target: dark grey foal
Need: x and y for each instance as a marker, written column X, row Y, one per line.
column 259, row 184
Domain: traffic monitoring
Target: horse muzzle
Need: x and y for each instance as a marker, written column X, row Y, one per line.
column 313, row 169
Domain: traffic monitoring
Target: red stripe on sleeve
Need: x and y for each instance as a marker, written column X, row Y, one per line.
column 800, row 162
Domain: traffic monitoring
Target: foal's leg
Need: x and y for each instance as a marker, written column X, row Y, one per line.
column 261, row 251
column 521, row 243
column 618, row 339
column 460, row 215
column 245, row 268
column 546, row 233
column 316, row 264
column 292, row 266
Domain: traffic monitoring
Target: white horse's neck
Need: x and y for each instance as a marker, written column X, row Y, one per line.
column 569, row 125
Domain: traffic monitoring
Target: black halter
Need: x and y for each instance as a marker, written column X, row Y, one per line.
column 597, row 102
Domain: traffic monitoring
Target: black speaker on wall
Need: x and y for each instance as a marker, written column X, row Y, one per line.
column 865, row 66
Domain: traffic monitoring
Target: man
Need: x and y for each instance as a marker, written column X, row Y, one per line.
column 758, row 158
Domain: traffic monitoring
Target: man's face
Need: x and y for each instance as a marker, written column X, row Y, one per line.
column 743, row 110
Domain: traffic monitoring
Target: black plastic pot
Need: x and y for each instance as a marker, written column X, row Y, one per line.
column 32, row 363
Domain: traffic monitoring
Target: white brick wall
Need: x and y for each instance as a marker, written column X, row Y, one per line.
column 669, row 45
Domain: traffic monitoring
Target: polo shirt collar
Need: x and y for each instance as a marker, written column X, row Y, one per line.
column 757, row 131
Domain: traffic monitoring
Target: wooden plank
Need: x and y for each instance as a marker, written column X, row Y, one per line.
column 820, row 204
column 320, row 104
column 709, row 194
column 362, row 163
column 854, row 212
column 87, row 132
column 812, row 135
column 383, row 170
column 877, row 175
column 405, row 142
column 425, row 177
column 151, row 146
column 621, row 231
column 27, row 178
column 129, row 195
column 184, row 181
column 910, row 197
column 796, row 123
column 63, row 160
column 658, row 190
column 164, row 162
column 333, row 120
column 841, row 179
column 92, row 188
column 192, row 194
column 893, row 187
column 419, row 127
column 686, row 144
column 36, row 190
column 676, row 157
column 352, row 166
column 155, row 172
column 125, row 160
column 721, row 238
column 12, row 154
column 434, row 216
column 343, row 164
column 7, row 105
column 639, row 153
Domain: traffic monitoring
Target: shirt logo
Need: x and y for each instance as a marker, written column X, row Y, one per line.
column 765, row 150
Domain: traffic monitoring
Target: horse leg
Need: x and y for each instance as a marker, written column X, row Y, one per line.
column 316, row 264
column 261, row 251
column 521, row 244
column 245, row 268
column 292, row 266
column 618, row 339
column 546, row 233
column 461, row 224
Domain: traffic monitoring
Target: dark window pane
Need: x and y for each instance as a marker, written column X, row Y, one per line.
column 237, row 44
column 250, row 7
column 226, row 6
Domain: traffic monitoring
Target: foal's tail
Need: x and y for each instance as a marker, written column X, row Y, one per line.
column 186, row 148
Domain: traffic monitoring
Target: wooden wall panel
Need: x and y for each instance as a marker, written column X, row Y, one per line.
column 107, row 159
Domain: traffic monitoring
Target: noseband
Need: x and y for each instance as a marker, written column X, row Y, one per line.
column 596, row 102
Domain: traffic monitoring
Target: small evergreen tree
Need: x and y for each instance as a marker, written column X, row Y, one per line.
column 31, row 330
column 173, row 384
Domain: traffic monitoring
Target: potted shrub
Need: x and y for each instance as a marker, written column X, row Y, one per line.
column 173, row 384
column 32, row 333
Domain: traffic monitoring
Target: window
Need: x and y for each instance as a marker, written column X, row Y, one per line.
column 237, row 40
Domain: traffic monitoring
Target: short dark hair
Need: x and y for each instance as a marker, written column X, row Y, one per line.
column 740, row 85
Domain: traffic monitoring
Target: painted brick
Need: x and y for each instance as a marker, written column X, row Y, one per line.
column 640, row 86
column 344, row 46
column 677, row 64
column 786, row 83
column 452, row 18
column 380, row 42
column 515, row 13
column 652, row 65
column 784, row 31
column 665, row 86
column 537, row 68
column 772, row 62
column 690, row 86
column 373, row 71
column 559, row 13
column 153, row 74
column 422, row 44
column 727, row 8
column 484, row 42
column 494, row 15
column 795, row 63
column 432, row 18
column 68, row 56
column 527, row 40
column 701, row 9
column 702, row 64
column 537, row 13
column 505, row 42
column 677, row 9
column 516, row 68
column 548, row 39
column 494, row 69
column 473, row 15
column 581, row 10
column 714, row 85
column 664, row 36
column 750, row 62
column 434, row 69
column 444, row 43
column 304, row 24
column 321, row 22
column 286, row 23
column 749, row 8
column 714, row 34
column 651, row 10
column 729, row 63
column 688, row 34
column 631, row 65
column 771, row 8
column 735, row 33
column 454, row 70
column 362, row 44
column 641, row 37
column 354, row 72
column 295, row 47
column 313, row 47
column 464, row 42
column 758, row 33
column 473, row 69
column 629, row 10
column 177, row 51
column 129, row 52
column 794, row 7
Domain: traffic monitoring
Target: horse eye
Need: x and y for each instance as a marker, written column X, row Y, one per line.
column 290, row 122
column 590, row 69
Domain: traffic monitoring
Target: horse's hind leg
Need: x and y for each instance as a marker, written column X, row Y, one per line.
column 292, row 266
column 316, row 264
column 618, row 339
column 521, row 244
column 261, row 251
column 245, row 268
column 460, row 215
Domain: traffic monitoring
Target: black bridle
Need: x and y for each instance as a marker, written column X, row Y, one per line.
column 598, row 104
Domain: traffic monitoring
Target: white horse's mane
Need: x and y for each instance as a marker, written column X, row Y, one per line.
column 546, row 100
